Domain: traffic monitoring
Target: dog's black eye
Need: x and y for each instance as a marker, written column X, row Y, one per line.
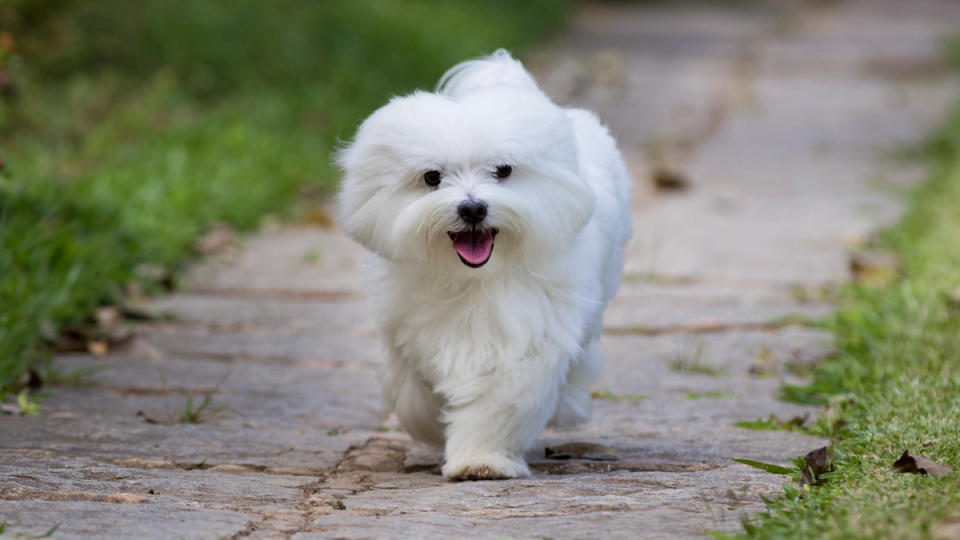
column 504, row 171
column 432, row 178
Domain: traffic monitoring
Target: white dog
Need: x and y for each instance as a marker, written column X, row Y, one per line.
column 496, row 222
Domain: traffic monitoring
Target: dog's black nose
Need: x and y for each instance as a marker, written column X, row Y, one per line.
column 472, row 212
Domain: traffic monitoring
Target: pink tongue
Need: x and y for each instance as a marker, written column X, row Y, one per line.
column 474, row 246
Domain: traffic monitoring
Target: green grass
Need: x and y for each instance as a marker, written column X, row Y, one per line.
column 710, row 395
column 688, row 358
column 893, row 385
column 607, row 395
column 134, row 126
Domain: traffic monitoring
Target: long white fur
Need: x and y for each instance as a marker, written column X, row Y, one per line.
column 479, row 360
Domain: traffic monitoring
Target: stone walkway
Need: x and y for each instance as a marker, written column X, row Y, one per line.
column 774, row 121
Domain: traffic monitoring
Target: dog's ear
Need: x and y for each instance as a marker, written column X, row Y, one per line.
column 370, row 165
column 380, row 166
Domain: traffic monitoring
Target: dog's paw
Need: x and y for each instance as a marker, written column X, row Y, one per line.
column 489, row 467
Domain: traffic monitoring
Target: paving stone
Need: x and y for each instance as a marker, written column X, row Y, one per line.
column 663, row 311
column 351, row 317
column 621, row 504
column 85, row 519
column 283, row 347
column 49, row 476
column 305, row 262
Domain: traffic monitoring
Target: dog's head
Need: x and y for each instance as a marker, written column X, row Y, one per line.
column 486, row 180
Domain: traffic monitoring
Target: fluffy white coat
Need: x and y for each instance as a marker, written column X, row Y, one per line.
column 481, row 359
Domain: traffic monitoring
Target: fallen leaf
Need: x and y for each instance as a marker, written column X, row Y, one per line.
column 909, row 463
column 321, row 216
column 817, row 463
column 665, row 179
column 874, row 267
column 98, row 348
column 583, row 450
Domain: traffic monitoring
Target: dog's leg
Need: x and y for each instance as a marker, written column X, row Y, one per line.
column 418, row 409
column 492, row 419
column 575, row 404
column 417, row 406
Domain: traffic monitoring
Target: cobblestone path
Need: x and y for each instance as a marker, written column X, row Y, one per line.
column 759, row 137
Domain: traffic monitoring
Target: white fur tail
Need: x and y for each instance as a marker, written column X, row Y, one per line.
column 498, row 69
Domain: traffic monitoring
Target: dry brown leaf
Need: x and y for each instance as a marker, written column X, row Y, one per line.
column 910, row 463
column 873, row 267
column 665, row 179
column 818, row 462
column 98, row 347
column 321, row 216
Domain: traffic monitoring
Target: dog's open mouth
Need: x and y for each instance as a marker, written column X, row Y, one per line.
column 474, row 245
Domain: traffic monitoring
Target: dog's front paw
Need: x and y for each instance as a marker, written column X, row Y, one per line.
column 486, row 467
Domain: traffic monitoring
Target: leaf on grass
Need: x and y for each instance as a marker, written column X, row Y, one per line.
column 583, row 450
column 874, row 267
column 910, row 463
column 769, row 467
column 816, row 463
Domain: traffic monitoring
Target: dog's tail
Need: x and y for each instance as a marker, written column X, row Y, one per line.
column 498, row 69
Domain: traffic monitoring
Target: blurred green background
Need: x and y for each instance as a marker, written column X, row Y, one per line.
column 128, row 128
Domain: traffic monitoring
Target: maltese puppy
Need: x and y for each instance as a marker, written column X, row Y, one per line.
column 495, row 222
